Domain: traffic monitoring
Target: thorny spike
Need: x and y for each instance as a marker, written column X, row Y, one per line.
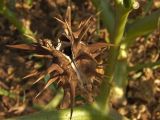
column 47, row 85
column 59, row 20
column 50, row 82
column 43, row 56
column 81, row 37
column 23, row 47
column 70, row 31
column 46, row 48
column 52, row 68
column 82, row 26
column 31, row 75
column 68, row 15
column 42, row 76
column 38, row 94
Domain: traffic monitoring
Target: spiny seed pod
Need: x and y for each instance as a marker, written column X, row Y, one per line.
column 72, row 62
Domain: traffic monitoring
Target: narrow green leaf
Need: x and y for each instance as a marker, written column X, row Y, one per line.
column 142, row 26
column 4, row 92
column 141, row 66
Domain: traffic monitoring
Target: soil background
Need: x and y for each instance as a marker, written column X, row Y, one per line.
column 143, row 90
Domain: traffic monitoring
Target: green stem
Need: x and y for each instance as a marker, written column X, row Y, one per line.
column 117, row 61
column 120, row 81
column 121, row 20
column 12, row 19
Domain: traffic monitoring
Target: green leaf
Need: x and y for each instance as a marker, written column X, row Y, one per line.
column 142, row 26
column 4, row 92
column 141, row 66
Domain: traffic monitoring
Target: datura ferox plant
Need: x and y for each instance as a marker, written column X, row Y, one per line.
column 73, row 61
column 76, row 63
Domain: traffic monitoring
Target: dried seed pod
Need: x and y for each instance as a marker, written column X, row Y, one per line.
column 75, row 66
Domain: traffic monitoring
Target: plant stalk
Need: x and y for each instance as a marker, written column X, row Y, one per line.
column 13, row 19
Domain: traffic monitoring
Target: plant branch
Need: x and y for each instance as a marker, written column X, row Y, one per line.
column 116, row 60
column 120, row 22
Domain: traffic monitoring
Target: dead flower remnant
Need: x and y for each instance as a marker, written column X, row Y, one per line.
column 72, row 62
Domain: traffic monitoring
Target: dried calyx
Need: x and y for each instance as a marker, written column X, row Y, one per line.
column 73, row 61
